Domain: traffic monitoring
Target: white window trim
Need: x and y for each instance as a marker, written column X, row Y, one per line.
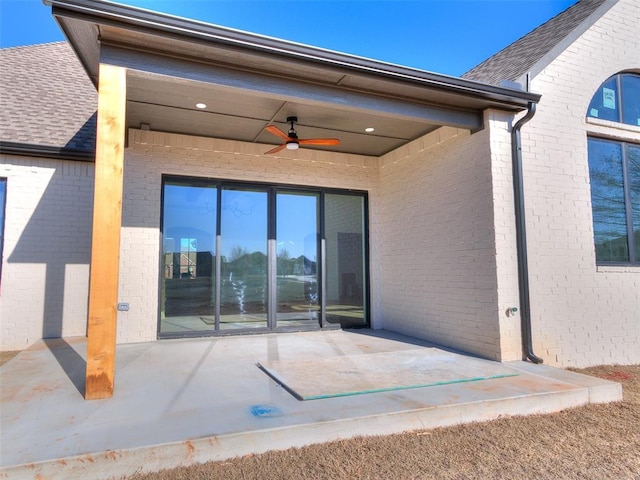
column 618, row 268
column 616, row 131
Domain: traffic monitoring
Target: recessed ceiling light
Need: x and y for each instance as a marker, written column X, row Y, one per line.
column 201, row 105
column 369, row 129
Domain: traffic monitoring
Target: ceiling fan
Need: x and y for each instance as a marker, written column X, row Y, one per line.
column 291, row 140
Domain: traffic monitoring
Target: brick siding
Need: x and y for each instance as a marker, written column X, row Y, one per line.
column 439, row 271
column 581, row 314
column 47, row 249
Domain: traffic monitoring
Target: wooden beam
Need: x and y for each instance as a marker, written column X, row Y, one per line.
column 105, row 247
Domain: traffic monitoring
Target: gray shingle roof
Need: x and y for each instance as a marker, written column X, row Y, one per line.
column 539, row 47
column 46, row 98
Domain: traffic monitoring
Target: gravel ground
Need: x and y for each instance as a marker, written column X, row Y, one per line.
column 590, row 442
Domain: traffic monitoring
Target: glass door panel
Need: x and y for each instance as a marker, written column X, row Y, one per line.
column 243, row 257
column 344, row 217
column 297, row 226
column 188, row 258
column 238, row 257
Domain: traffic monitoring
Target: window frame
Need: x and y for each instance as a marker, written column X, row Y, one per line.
column 620, row 104
column 633, row 249
column 625, row 135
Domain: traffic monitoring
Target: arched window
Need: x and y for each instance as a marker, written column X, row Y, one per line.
column 617, row 100
column 614, row 172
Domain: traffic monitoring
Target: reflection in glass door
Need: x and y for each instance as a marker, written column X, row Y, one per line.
column 240, row 257
column 297, row 293
column 243, row 259
column 188, row 258
column 346, row 297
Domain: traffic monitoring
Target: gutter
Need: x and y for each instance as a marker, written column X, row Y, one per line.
column 521, row 236
column 169, row 26
column 58, row 153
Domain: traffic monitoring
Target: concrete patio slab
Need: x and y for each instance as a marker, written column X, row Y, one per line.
column 179, row 402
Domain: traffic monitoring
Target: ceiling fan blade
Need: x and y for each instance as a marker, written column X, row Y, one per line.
column 319, row 141
column 277, row 149
column 277, row 132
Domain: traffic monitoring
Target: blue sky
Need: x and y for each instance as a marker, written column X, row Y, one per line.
column 444, row 36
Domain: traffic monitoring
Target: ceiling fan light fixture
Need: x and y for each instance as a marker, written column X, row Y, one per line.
column 201, row 105
column 291, row 140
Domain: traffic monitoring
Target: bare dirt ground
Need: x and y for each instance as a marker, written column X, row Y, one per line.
column 591, row 442
column 6, row 356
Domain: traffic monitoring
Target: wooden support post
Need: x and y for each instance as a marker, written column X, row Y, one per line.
column 105, row 246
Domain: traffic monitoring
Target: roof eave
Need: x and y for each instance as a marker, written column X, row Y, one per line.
column 102, row 12
column 46, row 151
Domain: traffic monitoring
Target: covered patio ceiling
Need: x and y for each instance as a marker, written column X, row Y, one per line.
column 249, row 81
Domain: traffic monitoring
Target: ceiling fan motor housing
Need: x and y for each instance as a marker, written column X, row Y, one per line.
column 292, row 130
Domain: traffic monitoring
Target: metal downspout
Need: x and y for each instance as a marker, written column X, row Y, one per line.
column 521, row 236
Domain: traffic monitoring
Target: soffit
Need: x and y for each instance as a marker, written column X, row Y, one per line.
column 243, row 116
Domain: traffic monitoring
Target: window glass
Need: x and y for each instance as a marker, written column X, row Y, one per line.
column 633, row 169
column 604, row 103
column 188, row 258
column 630, row 85
column 240, row 256
column 346, row 274
column 244, row 280
column 297, row 229
column 617, row 100
column 608, row 201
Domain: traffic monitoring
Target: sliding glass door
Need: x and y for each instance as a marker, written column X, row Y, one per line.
column 188, row 293
column 239, row 257
column 297, row 235
column 243, row 258
column 345, row 235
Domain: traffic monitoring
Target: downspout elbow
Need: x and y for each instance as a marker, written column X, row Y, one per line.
column 521, row 236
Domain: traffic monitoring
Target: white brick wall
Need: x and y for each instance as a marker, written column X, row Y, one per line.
column 46, row 249
column 432, row 213
column 505, row 235
column 443, row 255
column 55, row 198
column 152, row 154
column 439, row 259
column 581, row 314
